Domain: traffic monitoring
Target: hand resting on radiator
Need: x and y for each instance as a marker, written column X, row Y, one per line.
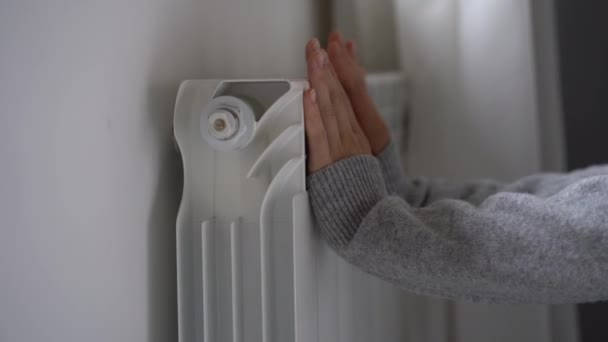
column 341, row 118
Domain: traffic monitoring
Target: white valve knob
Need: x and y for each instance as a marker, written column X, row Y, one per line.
column 227, row 123
column 223, row 124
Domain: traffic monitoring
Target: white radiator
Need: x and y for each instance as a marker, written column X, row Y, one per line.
column 251, row 266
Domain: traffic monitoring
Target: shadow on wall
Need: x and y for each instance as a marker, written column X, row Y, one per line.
column 162, row 289
column 176, row 55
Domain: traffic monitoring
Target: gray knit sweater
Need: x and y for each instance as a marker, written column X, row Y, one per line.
column 542, row 239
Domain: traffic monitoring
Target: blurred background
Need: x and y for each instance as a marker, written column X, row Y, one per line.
column 90, row 182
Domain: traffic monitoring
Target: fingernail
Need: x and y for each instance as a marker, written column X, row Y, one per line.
column 320, row 58
column 313, row 95
column 316, row 46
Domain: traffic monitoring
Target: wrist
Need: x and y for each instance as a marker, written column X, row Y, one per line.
column 380, row 137
column 342, row 194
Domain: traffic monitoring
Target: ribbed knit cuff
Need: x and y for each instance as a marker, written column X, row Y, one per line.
column 392, row 170
column 342, row 194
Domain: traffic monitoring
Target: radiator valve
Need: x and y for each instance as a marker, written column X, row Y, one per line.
column 227, row 123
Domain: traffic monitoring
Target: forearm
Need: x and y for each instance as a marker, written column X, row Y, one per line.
column 511, row 247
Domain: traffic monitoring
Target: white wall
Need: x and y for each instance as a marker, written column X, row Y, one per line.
column 89, row 181
column 474, row 92
column 371, row 24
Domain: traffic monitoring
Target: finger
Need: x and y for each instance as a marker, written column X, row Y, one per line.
column 312, row 47
column 337, row 53
column 352, row 77
column 349, row 73
column 351, row 47
column 335, row 41
column 334, row 105
column 338, row 95
column 340, row 104
column 316, row 62
column 316, row 137
column 325, row 70
column 335, row 36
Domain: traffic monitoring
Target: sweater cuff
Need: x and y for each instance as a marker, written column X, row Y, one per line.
column 392, row 170
column 342, row 194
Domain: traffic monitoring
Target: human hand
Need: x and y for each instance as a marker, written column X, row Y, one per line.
column 332, row 130
column 343, row 57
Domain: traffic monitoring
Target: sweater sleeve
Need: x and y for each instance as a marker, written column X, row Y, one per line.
column 539, row 240
column 420, row 191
